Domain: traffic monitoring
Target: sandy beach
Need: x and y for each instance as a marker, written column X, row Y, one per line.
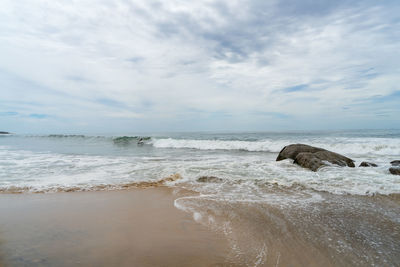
column 138, row 227
column 200, row 133
column 220, row 200
column 142, row 227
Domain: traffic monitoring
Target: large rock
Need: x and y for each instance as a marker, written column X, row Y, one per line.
column 309, row 160
column 313, row 157
column 367, row 164
column 291, row 151
column 334, row 158
column 395, row 171
column 395, row 163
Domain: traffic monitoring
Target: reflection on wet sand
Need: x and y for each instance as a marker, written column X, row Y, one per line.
column 2, row 256
column 334, row 230
column 137, row 227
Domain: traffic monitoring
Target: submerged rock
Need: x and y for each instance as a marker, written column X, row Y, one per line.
column 209, row 179
column 395, row 163
column 313, row 157
column 367, row 164
column 394, row 170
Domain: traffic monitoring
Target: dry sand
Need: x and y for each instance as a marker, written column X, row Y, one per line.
column 138, row 227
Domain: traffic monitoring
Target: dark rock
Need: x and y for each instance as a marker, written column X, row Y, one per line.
column 367, row 164
column 4, row 132
column 395, row 171
column 291, row 151
column 209, row 179
column 309, row 160
column 395, row 163
column 313, row 157
column 334, row 158
column 314, row 161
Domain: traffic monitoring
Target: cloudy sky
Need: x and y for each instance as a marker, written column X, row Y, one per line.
column 104, row 66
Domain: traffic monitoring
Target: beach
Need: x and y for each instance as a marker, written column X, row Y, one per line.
column 197, row 199
column 141, row 227
column 137, row 227
column 200, row 133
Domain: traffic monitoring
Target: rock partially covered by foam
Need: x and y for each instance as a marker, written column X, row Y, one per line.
column 209, row 179
column 309, row 160
column 395, row 170
column 335, row 158
column 313, row 157
column 395, row 163
column 367, row 164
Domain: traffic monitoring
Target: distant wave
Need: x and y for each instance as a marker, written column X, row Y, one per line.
column 357, row 146
column 66, row 136
column 269, row 146
column 120, row 140
column 344, row 145
column 124, row 140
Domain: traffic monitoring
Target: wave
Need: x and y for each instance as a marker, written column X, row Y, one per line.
column 351, row 146
column 83, row 188
column 66, row 136
column 258, row 189
column 125, row 140
column 356, row 146
column 268, row 146
column 82, row 136
column 118, row 140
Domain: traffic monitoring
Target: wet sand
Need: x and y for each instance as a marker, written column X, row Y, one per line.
column 331, row 230
column 138, row 227
column 142, row 227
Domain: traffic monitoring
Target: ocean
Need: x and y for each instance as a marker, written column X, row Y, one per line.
column 350, row 215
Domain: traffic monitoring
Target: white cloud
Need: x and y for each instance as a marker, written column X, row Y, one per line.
column 162, row 59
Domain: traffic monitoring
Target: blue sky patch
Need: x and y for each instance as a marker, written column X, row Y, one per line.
column 8, row 113
column 38, row 116
column 300, row 87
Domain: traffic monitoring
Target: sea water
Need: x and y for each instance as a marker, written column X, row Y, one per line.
column 350, row 216
column 31, row 163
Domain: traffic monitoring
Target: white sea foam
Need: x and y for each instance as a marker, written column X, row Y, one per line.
column 245, row 174
column 218, row 145
column 32, row 171
column 353, row 146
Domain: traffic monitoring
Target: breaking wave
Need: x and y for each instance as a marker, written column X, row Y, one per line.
column 343, row 145
column 353, row 146
column 125, row 140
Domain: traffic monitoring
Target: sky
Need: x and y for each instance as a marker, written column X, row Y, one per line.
column 108, row 66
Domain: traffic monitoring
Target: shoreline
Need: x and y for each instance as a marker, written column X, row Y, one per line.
column 148, row 227
column 135, row 227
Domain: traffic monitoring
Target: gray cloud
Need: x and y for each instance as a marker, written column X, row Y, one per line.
column 150, row 61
